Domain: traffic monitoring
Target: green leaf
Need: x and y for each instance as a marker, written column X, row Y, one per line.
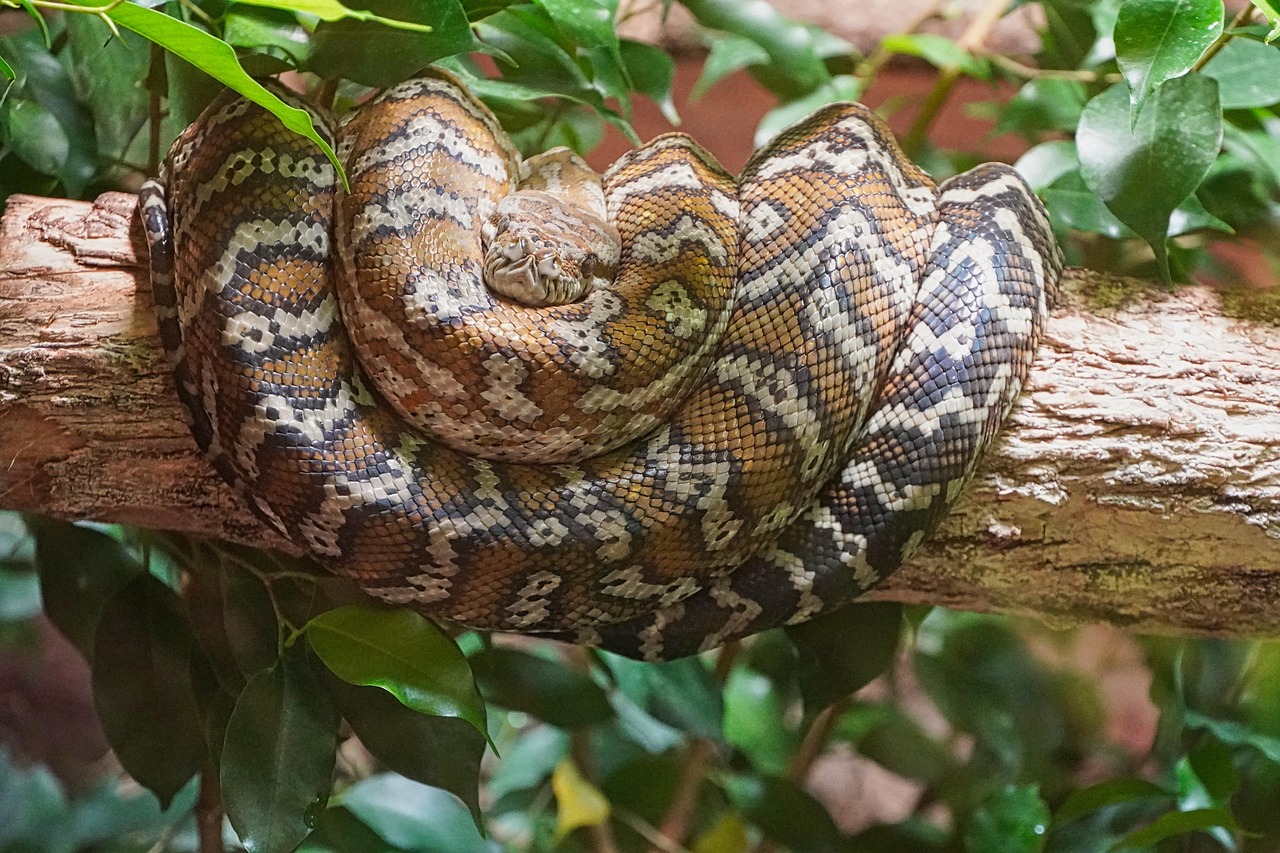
column 529, row 761
column 795, row 64
column 49, row 128
column 142, row 686
column 895, row 741
column 682, row 693
column 1108, row 793
column 652, row 71
column 19, row 592
column 368, row 53
column 1157, row 40
column 401, row 652
column 786, row 813
column 1014, row 819
column 1045, row 163
column 841, row 88
column 938, row 51
column 1248, row 74
column 1043, row 105
column 80, row 569
column 841, row 652
column 1235, row 734
column 1191, row 215
column 411, row 816
column 546, row 689
column 6, row 70
column 270, row 40
column 331, row 10
column 277, row 760
column 443, row 752
column 1143, row 174
column 105, row 71
column 217, row 59
column 1214, row 767
column 754, row 720
column 588, row 22
column 1174, row 824
column 728, row 54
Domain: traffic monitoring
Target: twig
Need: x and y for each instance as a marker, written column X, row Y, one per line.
column 693, row 772
column 880, row 55
column 971, row 40
column 1030, row 72
column 1242, row 18
column 815, row 738
column 648, row 832
column 209, row 813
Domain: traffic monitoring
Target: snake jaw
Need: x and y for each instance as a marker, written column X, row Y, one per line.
column 520, row 267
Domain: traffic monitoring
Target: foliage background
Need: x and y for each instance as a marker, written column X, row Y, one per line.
column 229, row 681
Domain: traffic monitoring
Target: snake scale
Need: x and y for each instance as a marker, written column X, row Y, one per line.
column 651, row 412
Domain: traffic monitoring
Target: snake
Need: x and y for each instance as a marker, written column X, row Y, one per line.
column 651, row 411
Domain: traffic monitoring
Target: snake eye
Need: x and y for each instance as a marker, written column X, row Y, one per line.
column 589, row 264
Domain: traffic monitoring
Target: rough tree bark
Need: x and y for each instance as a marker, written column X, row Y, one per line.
column 1138, row 483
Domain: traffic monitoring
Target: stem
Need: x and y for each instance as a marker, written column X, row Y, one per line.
column 815, row 738
column 973, row 38
column 602, row 839
column 1242, row 18
column 693, row 772
column 878, row 57
column 209, row 813
column 1030, row 72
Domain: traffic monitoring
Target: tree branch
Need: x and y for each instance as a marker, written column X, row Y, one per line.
column 1138, row 482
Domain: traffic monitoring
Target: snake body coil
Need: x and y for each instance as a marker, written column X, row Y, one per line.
column 786, row 383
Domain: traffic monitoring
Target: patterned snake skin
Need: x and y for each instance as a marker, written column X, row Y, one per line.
column 787, row 382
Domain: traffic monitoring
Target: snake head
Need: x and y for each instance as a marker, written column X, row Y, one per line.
column 541, row 251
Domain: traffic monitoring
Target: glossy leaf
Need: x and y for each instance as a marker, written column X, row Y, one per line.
column 754, row 720
column 6, row 70
column 142, row 686
column 588, row 22
column 331, row 10
column 652, row 71
column 105, row 71
column 843, row 651
column 1043, row 105
column 1174, row 824
column 937, row 50
column 401, row 652
column 1045, row 163
column 370, row 53
column 578, row 802
column 1013, row 820
column 277, row 759
column 1121, row 789
column 217, row 59
column 546, row 689
column 1160, row 39
column 411, row 816
column 791, row 46
column 682, row 693
column 1248, row 74
column 729, row 53
column 444, row 752
column 48, row 127
column 1143, row 174
column 786, row 813
column 1236, row 734
column 529, row 761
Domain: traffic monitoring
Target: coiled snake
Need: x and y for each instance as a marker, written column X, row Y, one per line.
column 776, row 395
